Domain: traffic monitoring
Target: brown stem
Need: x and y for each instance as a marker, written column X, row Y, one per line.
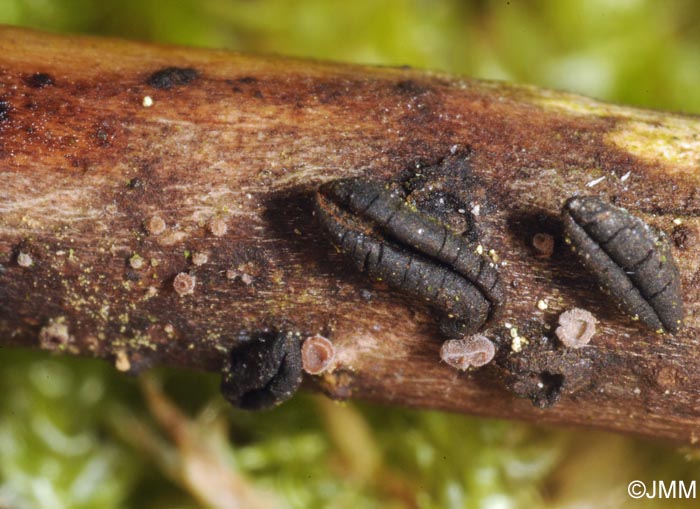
column 104, row 200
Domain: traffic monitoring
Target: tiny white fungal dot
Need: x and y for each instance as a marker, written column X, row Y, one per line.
column 625, row 176
column 476, row 209
column 24, row 260
column 136, row 262
column 184, row 283
column 217, row 227
column 155, row 225
column 147, row 101
column 576, row 327
column 542, row 305
column 677, row 221
column 200, row 258
column 479, row 249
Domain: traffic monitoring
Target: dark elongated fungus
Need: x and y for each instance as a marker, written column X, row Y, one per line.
column 631, row 261
column 414, row 253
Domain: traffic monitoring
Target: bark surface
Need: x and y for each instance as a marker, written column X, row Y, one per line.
column 125, row 164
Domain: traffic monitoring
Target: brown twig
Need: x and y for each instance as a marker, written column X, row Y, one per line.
column 155, row 209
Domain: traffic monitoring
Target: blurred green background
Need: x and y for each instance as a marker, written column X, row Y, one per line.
column 75, row 434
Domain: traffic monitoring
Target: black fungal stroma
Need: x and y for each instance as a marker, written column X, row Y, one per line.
column 630, row 260
column 264, row 371
column 412, row 252
column 172, row 77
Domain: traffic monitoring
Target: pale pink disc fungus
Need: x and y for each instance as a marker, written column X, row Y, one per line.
column 317, row 354
column 543, row 244
column 576, row 327
column 184, row 283
column 474, row 351
column 155, row 225
column 217, row 227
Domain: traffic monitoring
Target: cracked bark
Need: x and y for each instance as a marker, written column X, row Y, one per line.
column 105, row 199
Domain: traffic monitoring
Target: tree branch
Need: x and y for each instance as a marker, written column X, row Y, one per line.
column 124, row 164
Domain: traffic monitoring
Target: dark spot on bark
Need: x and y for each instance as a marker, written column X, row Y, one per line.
column 450, row 210
column 447, row 190
column 249, row 266
column 105, row 133
column 238, row 84
column 682, row 236
column 39, row 80
column 136, row 183
column 542, row 371
column 172, row 77
column 550, row 391
column 264, row 371
column 412, row 87
column 4, row 111
column 525, row 224
column 130, row 275
column 325, row 92
column 453, row 170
